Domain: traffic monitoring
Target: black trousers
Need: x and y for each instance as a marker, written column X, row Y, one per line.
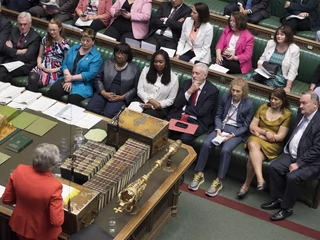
column 285, row 184
column 118, row 35
column 6, row 76
column 297, row 24
column 56, row 92
column 161, row 41
column 254, row 18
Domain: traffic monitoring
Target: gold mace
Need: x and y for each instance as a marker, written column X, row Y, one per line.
column 129, row 196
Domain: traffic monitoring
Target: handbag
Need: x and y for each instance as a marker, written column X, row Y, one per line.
column 271, row 68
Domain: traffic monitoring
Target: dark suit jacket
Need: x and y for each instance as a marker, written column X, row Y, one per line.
column 308, row 153
column 261, row 6
column 5, row 31
column 309, row 6
column 244, row 114
column 31, row 42
column 203, row 109
column 175, row 26
column 129, row 79
column 38, row 213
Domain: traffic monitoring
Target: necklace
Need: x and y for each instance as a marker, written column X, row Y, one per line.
column 195, row 28
column 120, row 68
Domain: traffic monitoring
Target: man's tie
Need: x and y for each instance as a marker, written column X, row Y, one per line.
column 20, row 40
column 194, row 96
column 248, row 5
column 169, row 17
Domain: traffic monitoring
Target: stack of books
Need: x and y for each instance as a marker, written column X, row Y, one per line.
column 87, row 161
column 119, row 170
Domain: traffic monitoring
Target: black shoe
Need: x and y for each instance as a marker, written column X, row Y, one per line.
column 261, row 186
column 281, row 214
column 275, row 204
column 242, row 193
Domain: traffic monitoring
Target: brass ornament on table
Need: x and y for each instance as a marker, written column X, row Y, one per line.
column 6, row 128
column 131, row 195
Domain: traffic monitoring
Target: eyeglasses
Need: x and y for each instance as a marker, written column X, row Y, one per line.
column 120, row 54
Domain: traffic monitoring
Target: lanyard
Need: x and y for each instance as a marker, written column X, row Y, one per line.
column 229, row 116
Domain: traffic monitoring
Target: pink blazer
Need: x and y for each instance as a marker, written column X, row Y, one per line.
column 103, row 9
column 140, row 16
column 244, row 47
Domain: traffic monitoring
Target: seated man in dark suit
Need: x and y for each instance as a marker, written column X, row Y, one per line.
column 62, row 14
column 195, row 104
column 21, row 5
column 166, row 24
column 255, row 10
column 300, row 161
column 233, row 117
column 23, row 45
column 5, row 31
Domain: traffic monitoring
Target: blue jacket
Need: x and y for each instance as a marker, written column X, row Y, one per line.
column 88, row 67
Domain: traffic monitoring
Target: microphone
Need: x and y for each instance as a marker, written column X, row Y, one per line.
column 73, row 159
column 116, row 117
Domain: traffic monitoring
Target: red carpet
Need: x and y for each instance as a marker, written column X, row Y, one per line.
column 309, row 232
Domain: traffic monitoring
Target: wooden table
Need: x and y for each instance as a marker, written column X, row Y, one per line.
column 157, row 206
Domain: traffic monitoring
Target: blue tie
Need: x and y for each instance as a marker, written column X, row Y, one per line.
column 248, row 5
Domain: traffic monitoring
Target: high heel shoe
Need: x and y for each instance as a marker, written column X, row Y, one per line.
column 242, row 193
column 261, row 186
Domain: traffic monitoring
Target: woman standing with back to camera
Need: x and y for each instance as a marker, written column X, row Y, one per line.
column 38, row 214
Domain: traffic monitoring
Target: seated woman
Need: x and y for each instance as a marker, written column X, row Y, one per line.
column 282, row 51
column 235, row 46
column 97, row 11
column 157, row 88
column 116, row 83
column 308, row 10
column 196, row 36
column 268, row 128
column 130, row 19
column 53, row 50
column 79, row 68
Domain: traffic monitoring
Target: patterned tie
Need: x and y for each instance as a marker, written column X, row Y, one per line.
column 194, row 96
column 170, row 17
column 248, row 5
column 20, row 40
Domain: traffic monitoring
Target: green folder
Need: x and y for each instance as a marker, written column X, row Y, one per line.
column 41, row 126
column 3, row 157
column 9, row 112
column 23, row 120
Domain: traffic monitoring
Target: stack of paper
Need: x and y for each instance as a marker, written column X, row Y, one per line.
column 88, row 121
column 170, row 51
column 68, row 192
column 42, row 104
column 218, row 68
column 3, row 157
column 10, row 93
column 27, row 97
column 54, row 109
column 81, row 23
column 4, row 85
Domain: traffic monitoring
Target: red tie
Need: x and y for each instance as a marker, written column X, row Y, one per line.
column 194, row 96
column 20, row 40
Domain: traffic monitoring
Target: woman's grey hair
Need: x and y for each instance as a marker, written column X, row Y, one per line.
column 25, row 14
column 45, row 156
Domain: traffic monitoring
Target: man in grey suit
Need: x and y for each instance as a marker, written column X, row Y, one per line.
column 166, row 24
column 62, row 14
column 300, row 161
column 23, row 45
column 233, row 117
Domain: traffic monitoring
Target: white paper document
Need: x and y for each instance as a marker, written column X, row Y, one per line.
column 42, row 104
column 133, row 42
column 3, row 86
column 18, row 106
column 219, row 139
column 148, row 46
column 170, row 51
column 54, row 109
column 52, row 4
column 12, row 92
column 106, row 36
column 88, row 121
column 136, row 106
column 2, row 188
column 27, row 97
column 218, row 68
column 295, row 16
column 70, row 114
column 263, row 72
column 10, row 66
column 81, row 23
